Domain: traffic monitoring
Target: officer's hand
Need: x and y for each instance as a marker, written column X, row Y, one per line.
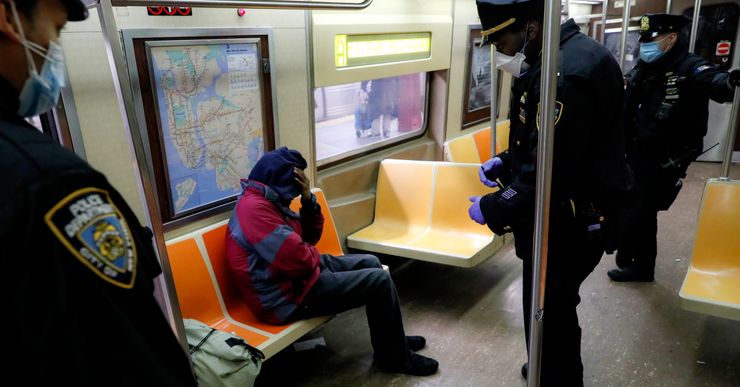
column 490, row 171
column 475, row 212
column 734, row 79
column 303, row 181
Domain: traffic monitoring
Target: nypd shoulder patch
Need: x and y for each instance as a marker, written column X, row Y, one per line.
column 558, row 113
column 90, row 226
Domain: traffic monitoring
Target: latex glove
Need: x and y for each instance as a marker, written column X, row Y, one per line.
column 474, row 211
column 734, row 79
column 490, row 169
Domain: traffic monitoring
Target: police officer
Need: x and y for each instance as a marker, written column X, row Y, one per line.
column 666, row 112
column 79, row 267
column 589, row 169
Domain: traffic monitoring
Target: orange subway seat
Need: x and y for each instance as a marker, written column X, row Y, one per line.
column 196, row 292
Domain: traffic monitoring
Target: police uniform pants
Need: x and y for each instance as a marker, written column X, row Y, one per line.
column 354, row 280
column 572, row 256
column 639, row 247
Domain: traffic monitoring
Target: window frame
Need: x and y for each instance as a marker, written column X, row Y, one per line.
column 354, row 154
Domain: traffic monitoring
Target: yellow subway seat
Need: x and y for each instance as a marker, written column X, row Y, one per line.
column 712, row 283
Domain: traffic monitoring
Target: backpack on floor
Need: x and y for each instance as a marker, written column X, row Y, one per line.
column 221, row 359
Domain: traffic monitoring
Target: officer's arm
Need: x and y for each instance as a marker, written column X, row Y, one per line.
column 713, row 82
column 576, row 125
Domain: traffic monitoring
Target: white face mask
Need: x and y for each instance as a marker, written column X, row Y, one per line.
column 513, row 65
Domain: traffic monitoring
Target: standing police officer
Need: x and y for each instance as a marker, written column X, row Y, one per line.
column 79, row 266
column 666, row 113
column 589, row 175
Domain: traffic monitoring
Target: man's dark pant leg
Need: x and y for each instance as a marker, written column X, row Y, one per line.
column 340, row 288
column 645, row 243
column 570, row 261
column 349, row 262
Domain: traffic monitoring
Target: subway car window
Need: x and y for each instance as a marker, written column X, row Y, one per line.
column 357, row 117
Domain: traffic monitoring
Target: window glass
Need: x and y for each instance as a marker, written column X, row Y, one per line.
column 360, row 116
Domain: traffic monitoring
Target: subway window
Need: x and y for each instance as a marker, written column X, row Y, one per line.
column 356, row 117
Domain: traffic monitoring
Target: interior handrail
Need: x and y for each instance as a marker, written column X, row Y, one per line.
column 269, row 4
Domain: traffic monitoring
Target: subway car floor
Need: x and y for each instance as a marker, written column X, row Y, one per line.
column 634, row 334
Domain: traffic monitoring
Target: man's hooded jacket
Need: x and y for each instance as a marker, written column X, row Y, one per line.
column 271, row 249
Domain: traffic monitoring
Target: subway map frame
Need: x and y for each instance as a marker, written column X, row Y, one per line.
column 205, row 106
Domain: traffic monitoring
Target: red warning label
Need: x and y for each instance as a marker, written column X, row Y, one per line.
column 723, row 48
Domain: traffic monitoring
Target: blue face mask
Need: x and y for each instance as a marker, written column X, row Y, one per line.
column 650, row 51
column 40, row 92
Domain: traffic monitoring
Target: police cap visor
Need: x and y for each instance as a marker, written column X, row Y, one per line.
column 652, row 25
column 498, row 15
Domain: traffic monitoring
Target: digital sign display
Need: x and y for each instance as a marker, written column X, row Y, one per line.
column 369, row 49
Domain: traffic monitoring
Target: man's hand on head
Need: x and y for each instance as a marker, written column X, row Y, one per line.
column 302, row 180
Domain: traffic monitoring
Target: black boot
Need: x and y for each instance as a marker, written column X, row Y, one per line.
column 630, row 274
column 414, row 364
column 623, row 260
column 416, row 343
column 525, row 370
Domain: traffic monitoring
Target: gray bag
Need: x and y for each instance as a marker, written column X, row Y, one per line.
column 221, row 359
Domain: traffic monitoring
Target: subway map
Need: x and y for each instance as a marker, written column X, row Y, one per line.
column 209, row 104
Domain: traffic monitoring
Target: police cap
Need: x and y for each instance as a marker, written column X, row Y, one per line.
column 76, row 10
column 497, row 15
column 654, row 24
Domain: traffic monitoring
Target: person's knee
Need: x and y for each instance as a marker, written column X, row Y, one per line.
column 380, row 279
column 370, row 261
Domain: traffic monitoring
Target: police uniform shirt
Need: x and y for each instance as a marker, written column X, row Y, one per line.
column 588, row 160
column 80, row 270
column 666, row 111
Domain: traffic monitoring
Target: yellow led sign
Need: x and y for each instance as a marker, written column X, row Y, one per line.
column 361, row 50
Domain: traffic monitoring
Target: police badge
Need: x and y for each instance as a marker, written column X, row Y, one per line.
column 90, row 226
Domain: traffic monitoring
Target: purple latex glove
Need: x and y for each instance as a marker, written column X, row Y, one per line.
column 474, row 211
column 492, row 168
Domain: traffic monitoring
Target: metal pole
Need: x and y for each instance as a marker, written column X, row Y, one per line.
column 550, row 51
column 694, row 25
column 121, row 82
column 271, row 4
column 494, row 98
column 668, row 6
column 604, row 8
column 729, row 147
column 313, row 174
column 625, row 28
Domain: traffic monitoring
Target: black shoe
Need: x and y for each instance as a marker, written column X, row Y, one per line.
column 630, row 274
column 622, row 261
column 525, row 370
column 414, row 364
column 416, row 343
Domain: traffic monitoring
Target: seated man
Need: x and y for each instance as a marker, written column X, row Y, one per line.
column 283, row 277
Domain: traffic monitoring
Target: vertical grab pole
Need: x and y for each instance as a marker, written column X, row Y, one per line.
column 694, row 25
column 494, row 98
column 729, row 147
column 122, row 84
column 546, row 140
column 625, row 28
column 668, row 6
column 604, row 7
